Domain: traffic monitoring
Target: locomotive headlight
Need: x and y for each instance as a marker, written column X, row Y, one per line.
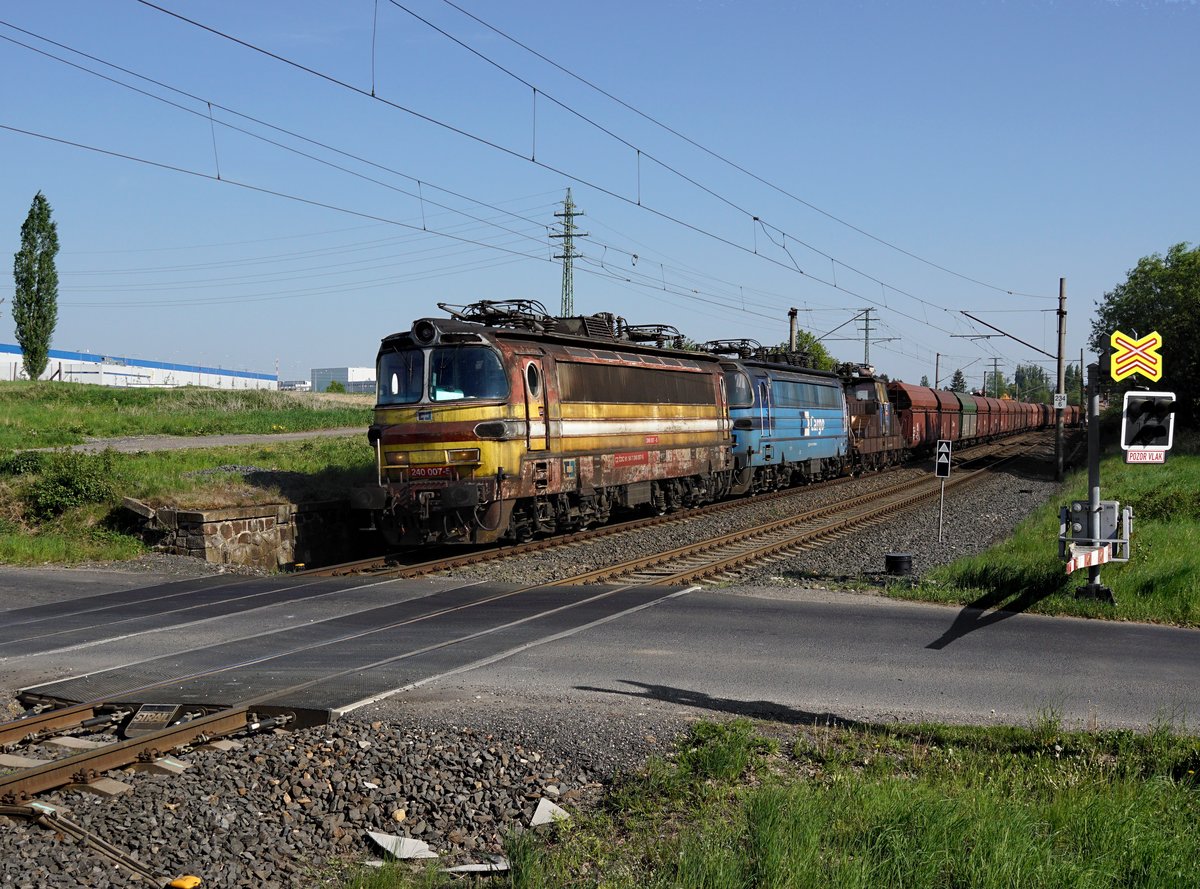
column 396, row 458
column 499, row 430
column 424, row 331
column 463, row 455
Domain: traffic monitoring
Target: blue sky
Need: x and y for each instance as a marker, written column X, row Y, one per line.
column 1009, row 143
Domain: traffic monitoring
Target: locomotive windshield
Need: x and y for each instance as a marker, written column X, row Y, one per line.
column 738, row 389
column 454, row 373
column 401, row 376
column 465, row 372
column 865, row 391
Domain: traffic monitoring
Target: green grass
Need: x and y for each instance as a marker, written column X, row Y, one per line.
column 35, row 415
column 1160, row 583
column 64, row 507
column 906, row 806
column 310, row 469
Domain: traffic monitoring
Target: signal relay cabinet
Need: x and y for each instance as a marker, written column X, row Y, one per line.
column 1073, row 528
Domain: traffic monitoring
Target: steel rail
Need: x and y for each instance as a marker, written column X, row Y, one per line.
column 378, row 566
column 47, row 721
column 80, row 768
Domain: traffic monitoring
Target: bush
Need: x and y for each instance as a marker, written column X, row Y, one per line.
column 336, row 386
column 69, row 480
column 23, row 462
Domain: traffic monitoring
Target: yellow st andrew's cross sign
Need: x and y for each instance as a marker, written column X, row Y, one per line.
column 1133, row 356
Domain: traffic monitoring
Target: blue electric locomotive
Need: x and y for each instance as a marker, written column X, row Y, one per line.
column 789, row 421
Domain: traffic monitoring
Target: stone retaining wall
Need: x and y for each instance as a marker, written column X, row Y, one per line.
column 272, row 536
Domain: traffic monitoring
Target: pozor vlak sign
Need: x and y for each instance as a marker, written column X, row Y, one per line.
column 1147, row 426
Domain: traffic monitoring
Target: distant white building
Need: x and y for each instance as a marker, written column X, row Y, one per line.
column 295, row 386
column 111, row 370
column 355, row 379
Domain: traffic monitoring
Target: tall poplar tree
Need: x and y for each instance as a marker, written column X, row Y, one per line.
column 35, row 302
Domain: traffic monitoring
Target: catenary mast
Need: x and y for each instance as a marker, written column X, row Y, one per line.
column 568, row 235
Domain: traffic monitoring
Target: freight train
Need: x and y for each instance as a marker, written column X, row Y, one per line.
column 501, row 422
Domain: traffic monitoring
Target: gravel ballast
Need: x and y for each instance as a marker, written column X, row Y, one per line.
column 293, row 808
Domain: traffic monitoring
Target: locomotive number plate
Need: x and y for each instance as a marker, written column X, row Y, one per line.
column 432, row 472
column 631, row 459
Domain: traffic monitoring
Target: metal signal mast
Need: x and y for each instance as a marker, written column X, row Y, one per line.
column 568, row 235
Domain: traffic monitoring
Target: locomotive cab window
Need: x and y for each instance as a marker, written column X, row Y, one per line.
column 738, row 389
column 401, row 376
column 463, row 372
column 454, row 373
column 865, row 392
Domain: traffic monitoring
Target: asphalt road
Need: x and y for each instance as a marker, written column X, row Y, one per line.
column 805, row 656
column 793, row 655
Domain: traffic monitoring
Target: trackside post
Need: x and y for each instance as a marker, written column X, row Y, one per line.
column 941, row 469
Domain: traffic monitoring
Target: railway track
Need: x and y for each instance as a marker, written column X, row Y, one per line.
column 87, row 767
column 390, row 566
column 720, row 559
column 776, row 536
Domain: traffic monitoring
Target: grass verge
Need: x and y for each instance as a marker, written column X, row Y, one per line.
column 917, row 806
column 65, row 507
column 47, row 415
column 1160, row 583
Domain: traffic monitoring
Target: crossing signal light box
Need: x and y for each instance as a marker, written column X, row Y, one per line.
column 1147, row 426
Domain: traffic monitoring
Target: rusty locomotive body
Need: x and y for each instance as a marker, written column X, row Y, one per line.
column 503, row 423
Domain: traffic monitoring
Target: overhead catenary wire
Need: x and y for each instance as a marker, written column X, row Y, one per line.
column 284, row 195
column 174, row 168
column 695, row 144
column 411, row 254
column 642, row 152
column 417, row 196
column 209, row 104
column 273, row 192
column 518, row 155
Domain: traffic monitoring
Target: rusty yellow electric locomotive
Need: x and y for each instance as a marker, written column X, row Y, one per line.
column 502, row 422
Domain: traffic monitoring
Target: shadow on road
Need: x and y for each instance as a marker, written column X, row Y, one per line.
column 988, row 609
column 757, row 709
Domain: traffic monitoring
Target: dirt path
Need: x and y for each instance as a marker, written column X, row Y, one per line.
column 133, row 444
